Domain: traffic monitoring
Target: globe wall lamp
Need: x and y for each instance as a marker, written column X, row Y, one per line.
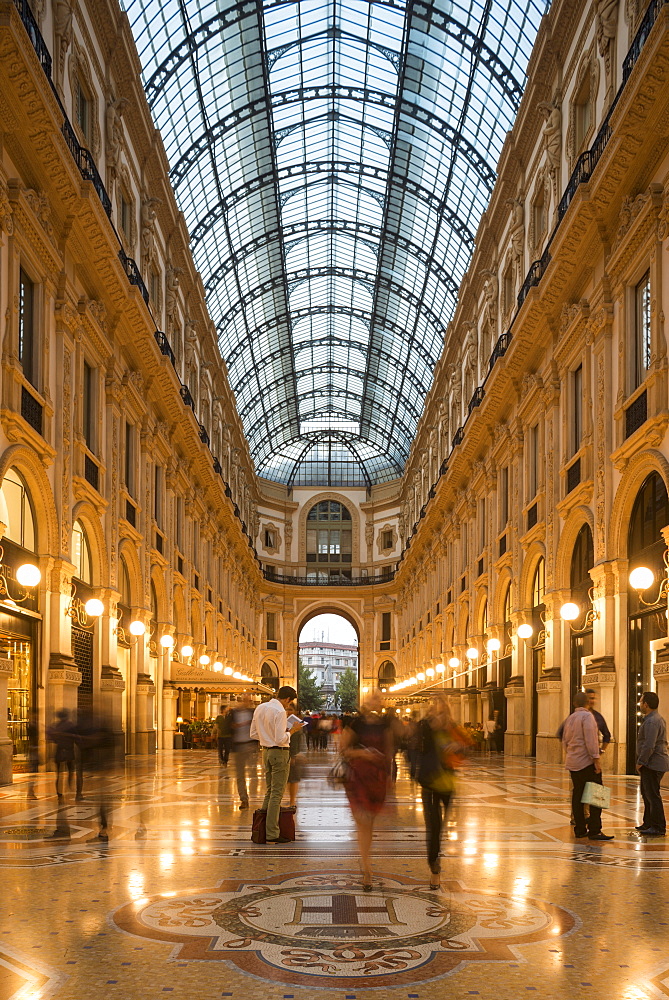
column 440, row 668
column 453, row 662
column 472, row 654
column 186, row 651
column 642, row 578
column 27, row 576
column 82, row 614
column 570, row 611
column 525, row 631
column 167, row 641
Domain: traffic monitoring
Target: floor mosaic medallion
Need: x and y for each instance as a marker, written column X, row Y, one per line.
column 310, row 929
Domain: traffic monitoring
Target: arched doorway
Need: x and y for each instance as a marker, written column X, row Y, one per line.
column 327, row 673
column 329, row 542
column 645, row 547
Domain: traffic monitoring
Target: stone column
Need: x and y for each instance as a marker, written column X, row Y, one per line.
column 145, row 734
column 170, row 697
column 514, row 737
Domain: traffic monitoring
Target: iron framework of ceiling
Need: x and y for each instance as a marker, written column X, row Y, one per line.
column 333, row 161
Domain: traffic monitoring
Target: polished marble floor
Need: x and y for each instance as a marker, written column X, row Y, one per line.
column 192, row 907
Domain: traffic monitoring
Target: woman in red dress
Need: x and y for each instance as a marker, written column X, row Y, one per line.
column 367, row 746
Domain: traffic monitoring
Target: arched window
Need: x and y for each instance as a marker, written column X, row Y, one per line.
column 81, row 554
column 538, row 642
column 387, row 675
column 269, row 675
column 329, row 540
column 125, row 583
column 21, row 522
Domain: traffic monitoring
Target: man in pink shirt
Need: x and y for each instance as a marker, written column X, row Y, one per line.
column 580, row 739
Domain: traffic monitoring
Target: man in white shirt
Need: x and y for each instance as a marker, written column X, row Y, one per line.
column 270, row 727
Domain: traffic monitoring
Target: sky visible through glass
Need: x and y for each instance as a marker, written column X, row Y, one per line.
column 333, row 161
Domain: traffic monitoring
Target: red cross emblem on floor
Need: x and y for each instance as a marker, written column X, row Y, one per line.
column 310, row 929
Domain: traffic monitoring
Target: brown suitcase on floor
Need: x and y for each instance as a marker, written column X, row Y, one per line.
column 286, row 825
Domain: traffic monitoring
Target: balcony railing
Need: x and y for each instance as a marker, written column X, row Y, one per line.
column 164, row 346
column 336, row 581
column 134, row 276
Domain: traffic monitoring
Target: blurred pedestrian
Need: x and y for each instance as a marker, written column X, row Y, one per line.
column 296, row 768
column 33, row 752
column 652, row 761
column 223, row 728
column 62, row 734
column 367, row 745
column 243, row 746
column 97, row 747
column 441, row 747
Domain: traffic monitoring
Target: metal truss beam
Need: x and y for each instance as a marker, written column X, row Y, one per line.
column 353, row 274
column 330, row 366
column 328, row 341
column 263, row 446
column 330, row 168
column 305, row 228
column 330, row 92
column 211, row 29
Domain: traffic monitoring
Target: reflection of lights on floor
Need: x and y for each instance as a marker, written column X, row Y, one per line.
column 166, row 859
column 186, row 837
column 135, row 885
column 491, row 860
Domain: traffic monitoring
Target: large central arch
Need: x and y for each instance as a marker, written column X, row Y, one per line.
column 330, row 607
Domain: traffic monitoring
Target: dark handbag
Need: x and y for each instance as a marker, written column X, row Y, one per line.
column 286, row 825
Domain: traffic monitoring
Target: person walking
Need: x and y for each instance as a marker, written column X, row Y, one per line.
column 441, row 745
column 604, row 731
column 243, row 747
column 223, row 730
column 270, row 727
column 581, row 743
column 62, row 733
column 652, row 760
column 368, row 746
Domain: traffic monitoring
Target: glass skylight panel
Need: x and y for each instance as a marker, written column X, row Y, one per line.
column 369, row 225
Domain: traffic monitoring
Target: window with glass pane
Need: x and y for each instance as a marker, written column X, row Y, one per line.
column 27, row 328
column 332, row 543
column 89, row 406
column 81, row 553
column 21, row 527
column 577, row 409
column 642, row 352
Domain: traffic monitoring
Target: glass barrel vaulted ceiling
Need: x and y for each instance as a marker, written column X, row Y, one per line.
column 333, row 161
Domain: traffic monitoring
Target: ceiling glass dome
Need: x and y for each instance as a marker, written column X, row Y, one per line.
column 333, row 161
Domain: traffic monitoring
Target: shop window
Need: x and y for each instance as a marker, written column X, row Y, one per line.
column 81, row 554
column 27, row 327
column 21, row 526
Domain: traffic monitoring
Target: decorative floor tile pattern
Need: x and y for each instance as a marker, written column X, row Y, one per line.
column 194, row 908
